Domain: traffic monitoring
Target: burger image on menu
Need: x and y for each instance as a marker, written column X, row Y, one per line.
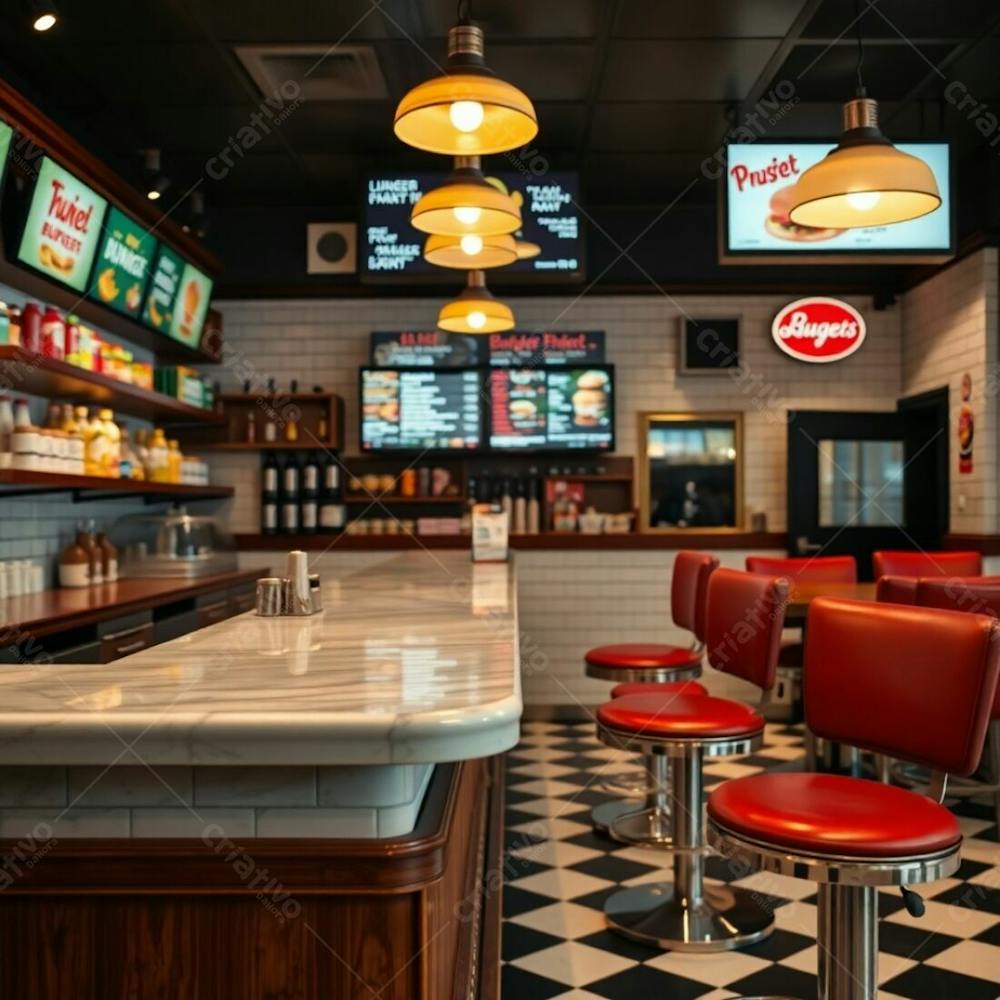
column 778, row 223
column 590, row 400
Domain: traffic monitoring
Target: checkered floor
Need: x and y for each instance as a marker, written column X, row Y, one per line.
column 559, row 873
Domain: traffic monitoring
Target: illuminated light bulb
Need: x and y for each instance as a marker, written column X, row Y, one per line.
column 476, row 319
column 45, row 21
column 863, row 201
column 152, row 194
column 468, row 215
column 466, row 116
column 471, row 245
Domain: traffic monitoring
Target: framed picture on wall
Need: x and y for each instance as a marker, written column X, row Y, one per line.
column 690, row 472
column 708, row 346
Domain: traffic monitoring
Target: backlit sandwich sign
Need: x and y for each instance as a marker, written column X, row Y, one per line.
column 818, row 330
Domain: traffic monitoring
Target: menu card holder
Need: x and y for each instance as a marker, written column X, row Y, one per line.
column 490, row 533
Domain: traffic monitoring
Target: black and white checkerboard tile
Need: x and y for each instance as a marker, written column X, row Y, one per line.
column 559, row 873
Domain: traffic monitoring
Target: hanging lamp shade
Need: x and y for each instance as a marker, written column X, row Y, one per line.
column 474, row 310
column 466, row 204
column 526, row 249
column 470, row 252
column 865, row 181
column 469, row 111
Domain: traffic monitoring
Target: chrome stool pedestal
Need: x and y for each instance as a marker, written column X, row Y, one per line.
column 640, row 826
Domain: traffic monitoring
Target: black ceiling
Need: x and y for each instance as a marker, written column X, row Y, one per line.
column 634, row 93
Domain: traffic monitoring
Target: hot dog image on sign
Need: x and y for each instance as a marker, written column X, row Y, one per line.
column 818, row 330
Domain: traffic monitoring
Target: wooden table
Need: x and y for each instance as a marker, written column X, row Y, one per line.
column 803, row 593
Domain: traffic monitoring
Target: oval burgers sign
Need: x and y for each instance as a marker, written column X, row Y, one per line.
column 818, row 330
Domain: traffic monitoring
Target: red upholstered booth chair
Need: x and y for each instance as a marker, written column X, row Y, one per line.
column 892, row 563
column 743, row 620
column 913, row 683
column 808, row 569
column 666, row 669
column 977, row 595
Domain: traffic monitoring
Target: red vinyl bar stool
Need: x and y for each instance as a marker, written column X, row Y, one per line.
column 744, row 617
column 978, row 595
column 671, row 670
column 914, row 683
column 804, row 569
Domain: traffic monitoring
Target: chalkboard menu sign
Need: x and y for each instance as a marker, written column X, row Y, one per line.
column 63, row 227
column 420, row 409
column 123, row 263
column 438, row 349
column 392, row 250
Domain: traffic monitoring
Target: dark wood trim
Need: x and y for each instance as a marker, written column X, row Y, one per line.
column 489, row 967
column 543, row 542
column 30, row 121
column 37, row 615
column 988, row 545
column 60, row 482
column 111, row 920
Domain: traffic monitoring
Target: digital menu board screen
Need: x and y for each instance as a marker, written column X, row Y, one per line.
column 392, row 250
column 158, row 311
column 552, row 409
column 6, row 135
column 438, row 349
column 63, row 227
column 123, row 263
column 420, row 409
column 757, row 194
column 190, row 306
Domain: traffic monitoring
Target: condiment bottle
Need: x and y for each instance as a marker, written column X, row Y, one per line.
column 86, row 541
column 159, row 462
column 520, row 521
column 111, row 452
column 174, row 460
column 74, row 566
column 534, row 508
column 31, row 327
column 53, row 331
column 95, row 445
column 6, row 432
column 292, row 423
column 109, row 558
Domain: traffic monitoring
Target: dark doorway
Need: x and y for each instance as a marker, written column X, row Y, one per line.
column 858, row 482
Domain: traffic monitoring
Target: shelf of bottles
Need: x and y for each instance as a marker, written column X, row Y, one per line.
column 302, row 494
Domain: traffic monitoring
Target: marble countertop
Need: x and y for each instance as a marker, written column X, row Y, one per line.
column 414, row 660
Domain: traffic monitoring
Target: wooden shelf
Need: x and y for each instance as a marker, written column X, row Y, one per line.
column 354, row 543
column 382, row 498
column 590, row 478
column 26, row 483
column 114, row 324
column 260, row 446
column 40, row 376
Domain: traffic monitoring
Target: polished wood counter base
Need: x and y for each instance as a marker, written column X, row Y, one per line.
column 409, row 918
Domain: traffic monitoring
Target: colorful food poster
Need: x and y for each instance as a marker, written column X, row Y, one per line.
column 159, row 308
column 123, row 263
column 63, row 229
column 6, row 134
column 190, row 306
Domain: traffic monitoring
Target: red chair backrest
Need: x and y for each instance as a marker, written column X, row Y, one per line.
column 892, row 563
column 744, row 616
column 913, row 683
column 897, row 589
column 688, row 589
column 807, row 569
column 978, row 595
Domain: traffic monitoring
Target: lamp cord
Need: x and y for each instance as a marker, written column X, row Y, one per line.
column 861, row 48
column 463, row 15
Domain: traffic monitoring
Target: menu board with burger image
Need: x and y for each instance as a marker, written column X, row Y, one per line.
column 123, row 264
column 158, row 311
column 760, row 194
column 63, row 227
column 190, row 306
column 552, row 409
column 420, row 409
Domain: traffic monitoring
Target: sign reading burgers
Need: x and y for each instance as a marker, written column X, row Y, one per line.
column 818, row 330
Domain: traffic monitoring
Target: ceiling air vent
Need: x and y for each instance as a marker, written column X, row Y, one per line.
column 319, row 72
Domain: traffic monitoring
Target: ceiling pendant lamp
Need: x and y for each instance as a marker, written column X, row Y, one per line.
column 466, row 204
column 468, row 111
column 474, row 310
column 470, row 252
column 865, row 180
